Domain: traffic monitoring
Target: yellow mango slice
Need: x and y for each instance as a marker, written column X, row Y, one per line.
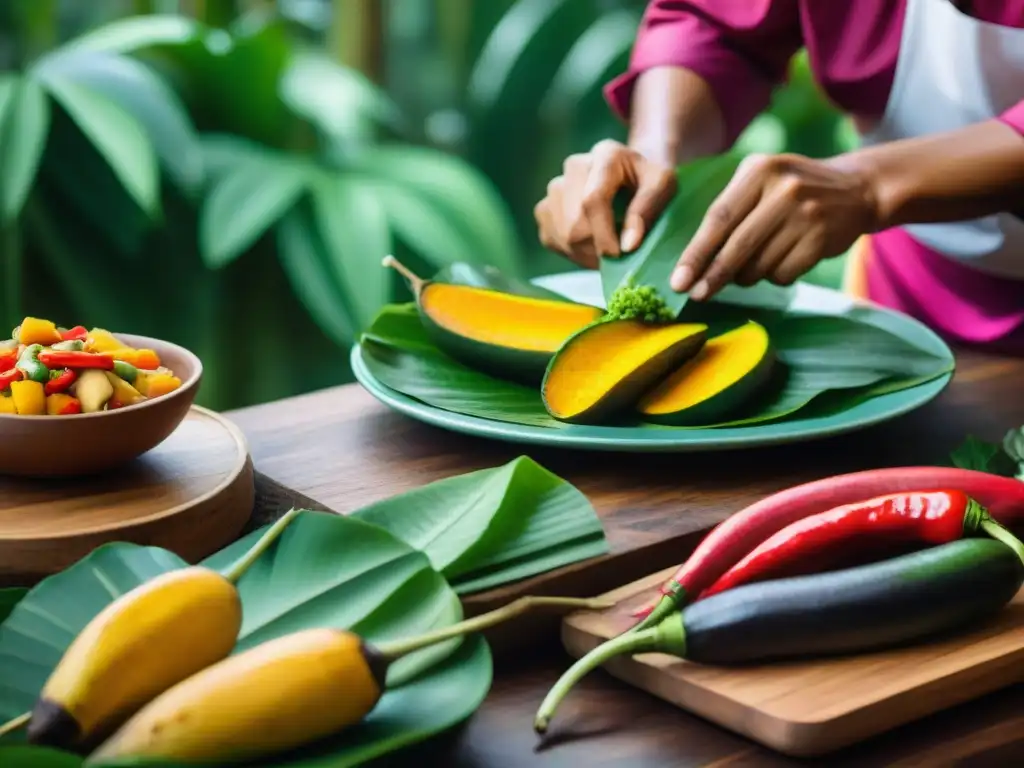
column 36, row 331
column 29, row 398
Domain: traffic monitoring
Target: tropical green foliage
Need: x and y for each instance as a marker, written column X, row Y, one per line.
column 232, row 191
column 222, row 182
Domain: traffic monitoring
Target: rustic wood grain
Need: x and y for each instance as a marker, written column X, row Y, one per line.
column 191, row 494
column 342, row 449
column 810, row 708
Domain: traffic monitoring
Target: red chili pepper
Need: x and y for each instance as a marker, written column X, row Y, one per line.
column 78, row 333
column 61, row 382
column 829, row 540
column 735, row 537
column 57, row 359
column 73, row 406
column 113, row 404
column 7, row 377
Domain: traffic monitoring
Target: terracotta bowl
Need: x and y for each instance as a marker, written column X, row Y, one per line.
column 89, row 443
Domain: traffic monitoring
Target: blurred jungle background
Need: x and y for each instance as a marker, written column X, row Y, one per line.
column 226, row 174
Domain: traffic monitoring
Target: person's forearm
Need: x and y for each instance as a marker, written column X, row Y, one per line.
column 963, row 174
column 675, row 117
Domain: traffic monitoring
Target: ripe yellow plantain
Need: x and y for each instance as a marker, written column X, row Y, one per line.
column 277, row 696
column 283, row 694
column 138, row 646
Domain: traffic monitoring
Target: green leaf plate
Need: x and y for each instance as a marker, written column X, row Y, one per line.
column 812, row 424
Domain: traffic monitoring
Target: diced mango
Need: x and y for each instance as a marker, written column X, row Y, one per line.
column 147, row 360
column 35, row 331
column 124, row 393
column 62, row 403
column 7, row 404
column 100, row 340
column 29, row 398
column 156, row 384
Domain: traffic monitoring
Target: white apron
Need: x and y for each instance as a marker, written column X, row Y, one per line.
column 954, row 71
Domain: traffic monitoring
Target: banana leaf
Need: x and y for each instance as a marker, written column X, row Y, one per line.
column 848, row 356
column 325, row 570
column 494, row 526
column 699, row 183
column 8, row 599
column 484, row 528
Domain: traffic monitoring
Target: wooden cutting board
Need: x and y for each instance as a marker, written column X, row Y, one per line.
column 191, row 494
column 810, row 708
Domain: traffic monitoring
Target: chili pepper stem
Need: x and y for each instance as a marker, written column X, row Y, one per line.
column 998, row 532
column 669, row 637
column 398, row 648
column 415, row 281
column 673, row 595
column 662, row 609
column 245, row 562
column 974, row 516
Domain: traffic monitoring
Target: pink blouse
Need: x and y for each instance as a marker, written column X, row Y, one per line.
column 741, row 48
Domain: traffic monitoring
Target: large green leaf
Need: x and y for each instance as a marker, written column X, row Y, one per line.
column 136, row 32
column 305, row 262
column 20, row 756
column 118, row 136
column 438, row 380
column 24, row 127
column 245, row 203
column 325, row 570
column 473, row 526
column 589, row 61
column 455, row 190
column 223, row 153
column 354, row 230
column 143, row 95
column 652, row 263
column 416, row 220
column 8, row 599
column 8, row 82
column 503, row 55
column 340, row 101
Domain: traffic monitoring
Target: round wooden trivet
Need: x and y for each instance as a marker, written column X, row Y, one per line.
column 192, row 494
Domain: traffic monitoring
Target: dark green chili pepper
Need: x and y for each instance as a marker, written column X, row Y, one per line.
column 126, row 371
column 30, row 365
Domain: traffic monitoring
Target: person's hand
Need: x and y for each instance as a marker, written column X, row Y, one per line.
column 576, row 219
column 778, row 217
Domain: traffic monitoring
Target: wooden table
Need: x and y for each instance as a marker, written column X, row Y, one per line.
column 345, row 450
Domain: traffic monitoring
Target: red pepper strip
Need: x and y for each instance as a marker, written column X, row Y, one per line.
column 72, row 407
column 78, row 333
column 825, row 541
column 61, row 383
column 8, row 359
column 735, row 537
column 55, row 359
column 7, row 377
